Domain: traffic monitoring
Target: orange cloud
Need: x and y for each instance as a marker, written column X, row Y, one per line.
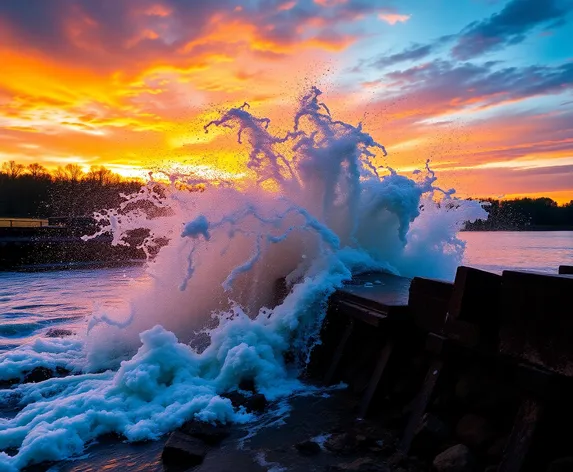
column 158, row 10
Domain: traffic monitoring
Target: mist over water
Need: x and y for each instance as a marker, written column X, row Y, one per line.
column 318, row 205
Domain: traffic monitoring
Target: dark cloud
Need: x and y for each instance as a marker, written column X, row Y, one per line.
column 111, row 33
column 510, row 26
column 507, row 27
column 413, row 53
column 103, row 34
column 443, row 86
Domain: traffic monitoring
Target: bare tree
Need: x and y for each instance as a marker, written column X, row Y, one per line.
column 102, row 176
column 12, row 169
column 60, row 174
column 73, row 172
column 37, row 171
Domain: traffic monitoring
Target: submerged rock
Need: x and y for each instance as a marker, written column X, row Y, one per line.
column 495, row 451
column 343, row 443
column 308, row 448
column 362, row 437
column 430, row 435
column 38, row 374
column 62, row 371
column 256, row 402
column 183, row 450
column 474, row 431
column 248, row 385
column 397, row 459
column 58, row 333
column 455, row 459
column 210, row 433
column 5, row 384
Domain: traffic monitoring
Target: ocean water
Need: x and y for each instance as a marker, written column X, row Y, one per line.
column 153, row 347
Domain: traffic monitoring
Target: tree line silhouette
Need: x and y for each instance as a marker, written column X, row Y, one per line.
column 32, row 191
column 524, row 214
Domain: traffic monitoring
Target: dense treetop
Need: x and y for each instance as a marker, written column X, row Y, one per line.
column 32, row 191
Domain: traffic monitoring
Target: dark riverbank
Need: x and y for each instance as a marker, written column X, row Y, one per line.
column 62, row 247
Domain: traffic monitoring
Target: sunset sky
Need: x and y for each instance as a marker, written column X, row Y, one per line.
column 483, row 88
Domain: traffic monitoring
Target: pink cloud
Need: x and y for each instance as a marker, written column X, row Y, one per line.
column 287, row 6
column 393, row 18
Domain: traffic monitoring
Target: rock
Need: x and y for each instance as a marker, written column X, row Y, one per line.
column 396, row 459
column 495, row 451
column 465, row 386
column 430, row 435
column 342, row 443
column 58, row 333
column 455, row 459
column 210, row 433
column 38, row 374
column 256, row 402
column 563, row 464
column 62, row 371
column 183, row 450
column 473, row 431
column 247, row 385
column 484, row 391
column 362, row 437
column 6, row 384
column 308, row 448
column 364, row 464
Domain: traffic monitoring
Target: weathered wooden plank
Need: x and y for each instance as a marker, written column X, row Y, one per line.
column 521, row 435
column 428, row 301
column 537, row 319
column 383, row 358
column 474, row 309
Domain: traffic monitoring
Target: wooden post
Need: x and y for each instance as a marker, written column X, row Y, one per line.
column 420, row 404
column 339, row 352
column 521, row 435
column 375, row 378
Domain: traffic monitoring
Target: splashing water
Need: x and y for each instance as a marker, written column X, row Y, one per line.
column 317, row 209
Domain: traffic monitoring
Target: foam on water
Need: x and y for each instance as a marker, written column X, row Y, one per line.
column 316, row 207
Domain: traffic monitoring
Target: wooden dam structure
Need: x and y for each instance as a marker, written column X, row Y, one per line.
column 494, row 347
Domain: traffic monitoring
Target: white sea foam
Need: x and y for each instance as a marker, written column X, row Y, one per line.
column 318, row 207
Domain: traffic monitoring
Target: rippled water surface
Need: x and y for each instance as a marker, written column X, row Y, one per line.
column 496, row 251
column 33, row 303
